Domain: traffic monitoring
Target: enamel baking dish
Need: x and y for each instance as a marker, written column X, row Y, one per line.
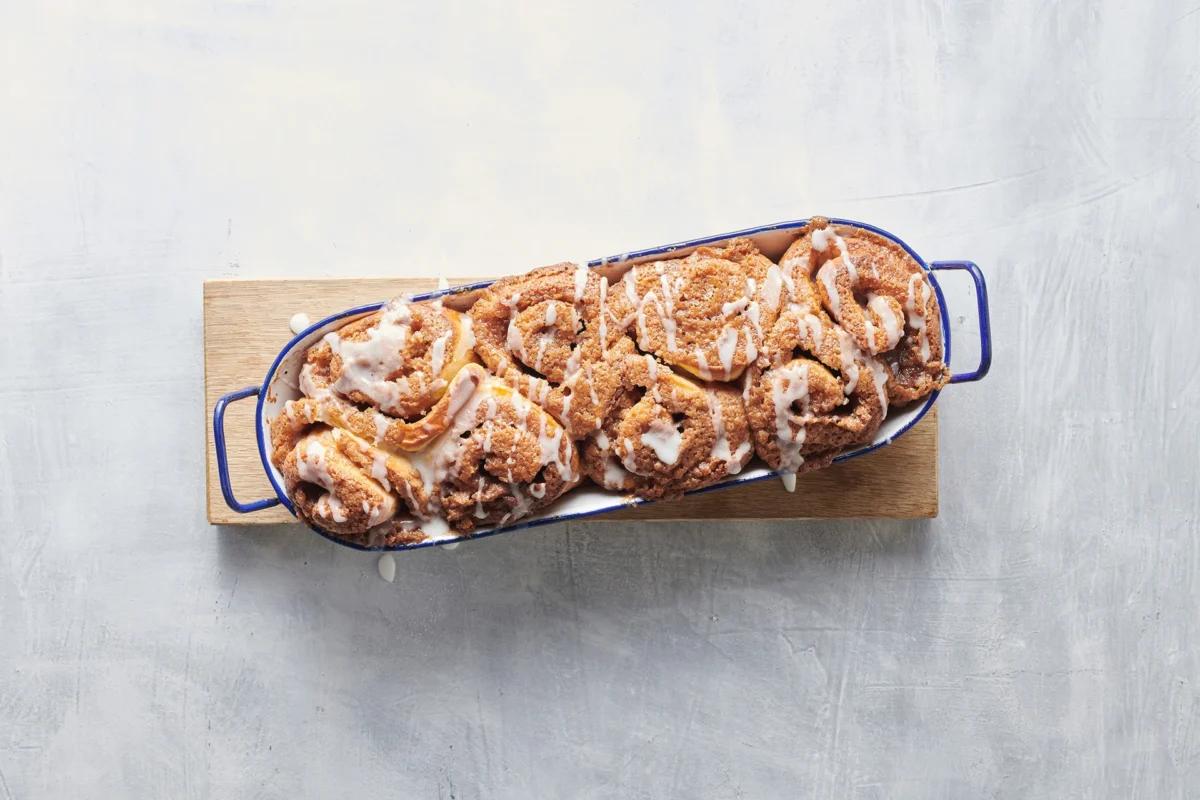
column 279, row 384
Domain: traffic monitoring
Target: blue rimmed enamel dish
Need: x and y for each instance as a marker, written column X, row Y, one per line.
column 279, row 384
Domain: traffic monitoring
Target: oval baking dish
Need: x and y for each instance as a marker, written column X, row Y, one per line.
column 279, row 384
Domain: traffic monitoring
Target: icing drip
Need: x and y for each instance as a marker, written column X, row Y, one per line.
column 513, row 339
column 581, row 275
column 815, row 330
column 720, row 448
column 849, row 351
column 751, row 350
column 664, row 439
column 379, row 471
column 892, row 327
column 437, row 357
column 603, row 318
column 916, row 305
column 827, row 275
column 387, row 567
column 726, row 347
column 771, row 287
column 702, row 365
column 479, row 512
column 879, row 376
column 789, row 384
column 367, row 364
column 615, row 475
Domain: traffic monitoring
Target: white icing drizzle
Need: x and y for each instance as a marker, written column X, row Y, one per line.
column 551, row 314
column 751, row 349
column 330, row 505
column 513, row 340
column 651, row 369
column 916, row 305
column 771, row 286
column 366, row 364
column 752, row 314
column 664, row 439
column 615, row 476
column 581, row 275
column 479, row 512
column 603, row 317
column 879, row 376
column 849, row 353
column 821, row 239
column 591, row 384
column 726, row 347
column 573, row 361
column 309, row 387
column 436, row 529
column 720, row 449
column 827, row 275
column 816, row 330
column 788, row 385
column 379, row 471
column 551, row 448
column 566, row 404
column 382, row 423
column 310, row 465
column 892, row 326
column 785, row 276
column 734, row 306
column 702, row 364
column 437, row 354
column 541, row 351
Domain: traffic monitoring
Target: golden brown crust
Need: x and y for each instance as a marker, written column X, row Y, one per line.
column 703, row 314
column 551, row 334
column 503, row 461
column 666, row 434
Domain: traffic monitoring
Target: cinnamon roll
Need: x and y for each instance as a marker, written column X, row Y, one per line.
column 814, row 392
column 399, row 360
column 481, row 455
column 878, row 294
column 666, row 434
column 552, row 334
column 704, row 314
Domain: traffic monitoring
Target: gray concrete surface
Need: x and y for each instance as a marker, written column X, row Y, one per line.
column 1039, row 639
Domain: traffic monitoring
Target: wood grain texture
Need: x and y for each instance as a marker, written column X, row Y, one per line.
column 246, row 323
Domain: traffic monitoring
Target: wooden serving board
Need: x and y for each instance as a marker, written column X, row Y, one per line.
column 246, row 324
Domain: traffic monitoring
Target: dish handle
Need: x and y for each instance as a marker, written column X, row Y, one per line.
column 985, row 322
column 223, row 458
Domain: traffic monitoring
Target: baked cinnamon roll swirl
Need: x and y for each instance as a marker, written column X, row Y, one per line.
column 666, row 434
column 704, row 314
column 814, row 392
column 482, row 456
column 399, row 360
column 878, row 294
column 552, row 334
